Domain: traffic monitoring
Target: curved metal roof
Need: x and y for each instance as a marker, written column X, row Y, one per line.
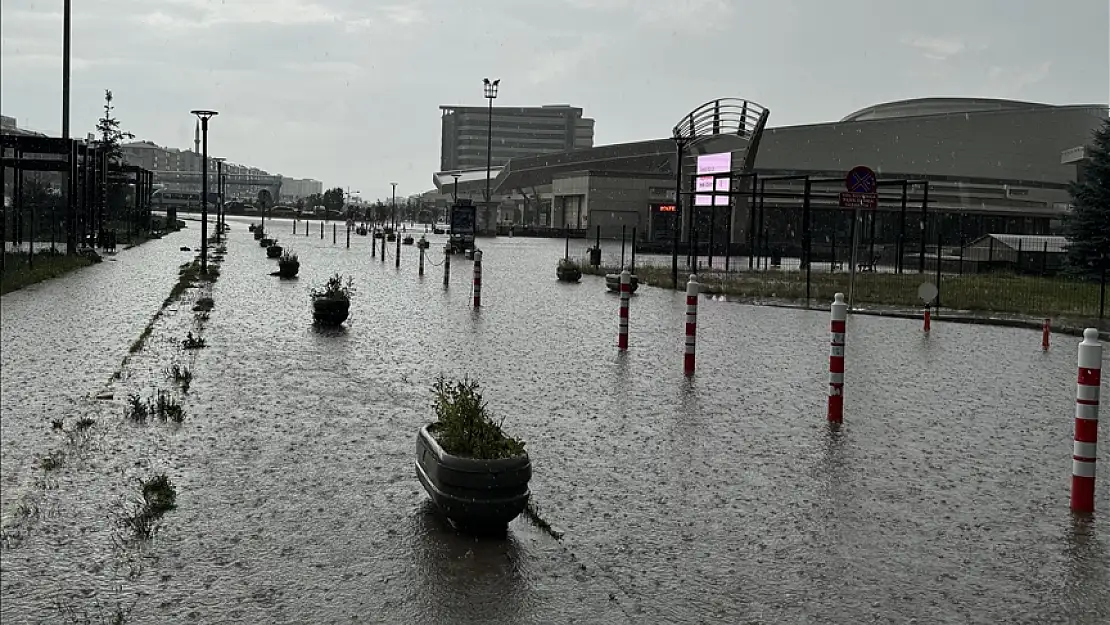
column 937, row 106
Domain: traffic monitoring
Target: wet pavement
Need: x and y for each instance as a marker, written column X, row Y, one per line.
column 721, row 499
column 62, row 338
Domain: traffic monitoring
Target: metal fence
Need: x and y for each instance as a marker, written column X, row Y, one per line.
column 1020, row 271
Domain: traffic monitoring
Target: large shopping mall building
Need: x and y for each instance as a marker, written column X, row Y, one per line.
column 1004, row 164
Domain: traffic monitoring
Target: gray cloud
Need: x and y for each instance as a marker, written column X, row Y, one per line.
column 347, row 90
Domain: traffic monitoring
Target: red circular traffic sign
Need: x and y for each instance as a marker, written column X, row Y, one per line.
column 861, row 179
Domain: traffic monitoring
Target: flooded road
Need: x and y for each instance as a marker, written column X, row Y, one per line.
column 721, row 499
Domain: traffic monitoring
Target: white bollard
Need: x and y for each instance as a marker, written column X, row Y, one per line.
column 477, row 278
column 1085, row 445
column 626, row 297
column 836, row 358
column 691, row 324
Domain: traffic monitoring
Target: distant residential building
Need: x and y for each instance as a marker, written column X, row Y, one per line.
column 156, row 158
column 293, row 189
column 179, row 170
column 517, row 132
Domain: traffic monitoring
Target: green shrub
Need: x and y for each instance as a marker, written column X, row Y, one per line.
column 464, row 427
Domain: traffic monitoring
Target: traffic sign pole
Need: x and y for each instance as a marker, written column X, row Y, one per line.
column 862, row 192
column 862, row 189
column 852, row 269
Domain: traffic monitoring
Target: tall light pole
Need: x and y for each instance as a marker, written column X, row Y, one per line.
column 348, row 202
column 455, row 186
column 71, row 172
column 204, row 116
column 393, row 206
column 455, row 190
column 220, row 194
column 66, row 23
column 490, row 89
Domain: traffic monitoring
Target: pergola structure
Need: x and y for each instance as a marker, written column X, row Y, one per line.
column 86, row 173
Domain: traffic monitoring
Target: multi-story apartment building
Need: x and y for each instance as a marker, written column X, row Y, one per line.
column 178, row 170
column 293, row 189
column 517, row 132
column 156, row 158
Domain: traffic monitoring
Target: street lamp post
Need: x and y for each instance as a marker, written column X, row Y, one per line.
column 204, row 116
column 393, row 207
column 66, row 23
column 455, row 190
column 490, row 89
column 220, row 193
column 348, row 202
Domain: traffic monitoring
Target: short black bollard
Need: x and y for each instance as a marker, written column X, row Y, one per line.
column 446, row 266
column 420, row 271
column 321, row 231
column 398, row 263
column 294, row 226
column 348, row 237
column 373, row 245
column 334, row 231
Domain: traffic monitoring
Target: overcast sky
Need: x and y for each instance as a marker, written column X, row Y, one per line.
column 347, row 91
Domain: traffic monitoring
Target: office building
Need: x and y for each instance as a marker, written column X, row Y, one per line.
column 517, row 132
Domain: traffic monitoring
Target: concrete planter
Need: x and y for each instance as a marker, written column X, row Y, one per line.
column 266, row 242
column 613, row 282
column 568, row 273
column 288, row 269
column 473, row 494
column 258, row 234
column 329, row 311
column 274, row 251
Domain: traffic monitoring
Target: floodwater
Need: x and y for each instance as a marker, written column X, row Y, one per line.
column 725, row 498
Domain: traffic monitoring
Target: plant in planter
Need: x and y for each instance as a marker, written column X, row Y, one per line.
column 568, row 271
column 288, row 264
column 259, row 233
column 266, row 241
column 273, row 250
column 331, row 304
column 474, row 472
column 613, row 282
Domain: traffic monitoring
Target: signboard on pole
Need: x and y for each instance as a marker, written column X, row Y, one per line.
column 719, row 163
column 712, row 190
column 862, row 189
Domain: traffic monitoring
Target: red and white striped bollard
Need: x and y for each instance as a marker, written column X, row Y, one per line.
column 691, row 324
column 836, row 358
column 1085, row 446
column 477, row 278
column 1046, row 328
column 626, row 297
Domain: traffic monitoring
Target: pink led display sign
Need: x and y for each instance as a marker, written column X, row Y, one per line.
column 720, row 163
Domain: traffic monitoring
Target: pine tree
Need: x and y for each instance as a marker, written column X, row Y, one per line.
column 1088, row 227
column 110, row 140
column 110, row 134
